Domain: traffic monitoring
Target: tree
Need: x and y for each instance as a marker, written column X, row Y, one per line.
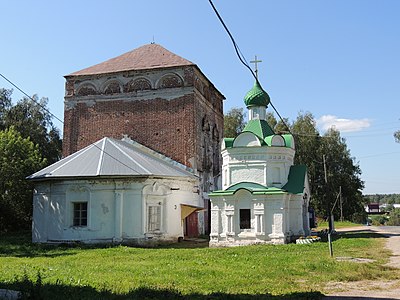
column 5, row 104
column 342, row 173
column 32, row 119
column 397, row 136
column 278, row 126
column 307, row 143
column 19, row 157
column 342, row 170
column 234, row 122
column 271, row 120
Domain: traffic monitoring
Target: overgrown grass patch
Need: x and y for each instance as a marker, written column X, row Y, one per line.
column 127, row 272
column 338, row 224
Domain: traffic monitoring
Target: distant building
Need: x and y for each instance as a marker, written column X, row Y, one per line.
column 264, row 197
column 372, row 208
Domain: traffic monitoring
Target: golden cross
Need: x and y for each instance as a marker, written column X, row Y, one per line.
column 255, row 62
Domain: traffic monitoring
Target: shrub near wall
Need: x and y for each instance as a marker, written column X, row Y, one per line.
column 394, row 218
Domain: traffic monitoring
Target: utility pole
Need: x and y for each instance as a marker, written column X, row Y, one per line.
column 341, row 203
column 329, row 211
column 326, row 195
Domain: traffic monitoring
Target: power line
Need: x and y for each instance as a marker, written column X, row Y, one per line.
column 379, row 154
column 243, row 59
column 38, row 103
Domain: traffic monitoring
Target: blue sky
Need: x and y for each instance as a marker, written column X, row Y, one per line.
column 338, row 59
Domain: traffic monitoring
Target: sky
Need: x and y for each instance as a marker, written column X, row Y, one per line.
column 338, row 59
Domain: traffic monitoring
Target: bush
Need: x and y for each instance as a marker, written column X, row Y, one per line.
column 394, row 217
column 359, row 217
column 378, row 220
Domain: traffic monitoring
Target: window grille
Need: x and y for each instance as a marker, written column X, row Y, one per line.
column 154, row 218
column 80, row 214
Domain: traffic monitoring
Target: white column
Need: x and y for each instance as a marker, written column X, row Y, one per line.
column 230, row 225
column 215, row 216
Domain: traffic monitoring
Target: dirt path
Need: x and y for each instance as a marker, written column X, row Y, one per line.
column 368, row 289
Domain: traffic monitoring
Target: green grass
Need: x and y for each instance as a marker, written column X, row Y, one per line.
column 338, row 224
column 120, row 272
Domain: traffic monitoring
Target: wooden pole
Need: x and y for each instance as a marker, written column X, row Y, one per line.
column 330, row 245
column 341, row 204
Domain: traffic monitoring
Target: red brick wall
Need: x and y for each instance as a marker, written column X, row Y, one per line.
column 166, row 126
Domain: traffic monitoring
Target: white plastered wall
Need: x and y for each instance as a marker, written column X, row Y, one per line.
column 116, row 209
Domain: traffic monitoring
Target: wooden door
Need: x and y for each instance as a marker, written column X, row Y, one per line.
column 192, row 225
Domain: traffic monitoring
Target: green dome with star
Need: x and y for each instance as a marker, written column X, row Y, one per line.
column 256, row 96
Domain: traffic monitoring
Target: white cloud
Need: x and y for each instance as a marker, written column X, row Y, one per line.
column 342, row 125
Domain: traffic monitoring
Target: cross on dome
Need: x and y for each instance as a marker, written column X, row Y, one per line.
column 255, row 62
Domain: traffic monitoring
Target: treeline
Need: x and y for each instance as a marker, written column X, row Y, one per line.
column 312, row 149
column 382, row 198
column 29, row 141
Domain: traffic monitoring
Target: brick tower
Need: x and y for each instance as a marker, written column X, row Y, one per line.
column 158, row 99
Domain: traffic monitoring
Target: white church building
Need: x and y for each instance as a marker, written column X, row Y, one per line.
column 264, row 196
column 113, row 191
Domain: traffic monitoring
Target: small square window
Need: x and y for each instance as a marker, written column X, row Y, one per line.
column 80, row 214
column 244, row 215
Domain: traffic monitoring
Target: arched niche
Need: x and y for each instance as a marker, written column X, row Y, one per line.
column 156, row 189
column 246, row 139
column 112, row 87
column 170, row 80
column 139, row 84
column 277, row 141
column 86, row 89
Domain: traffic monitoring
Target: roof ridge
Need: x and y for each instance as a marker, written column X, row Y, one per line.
column 101, row 158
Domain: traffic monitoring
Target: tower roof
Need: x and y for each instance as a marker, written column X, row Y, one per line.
column 149, row 56
column 259, row 127
column 256, row 96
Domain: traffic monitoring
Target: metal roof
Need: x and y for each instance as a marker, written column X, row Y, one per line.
column 109, row 158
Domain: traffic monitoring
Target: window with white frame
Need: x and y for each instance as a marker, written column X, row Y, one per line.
column 153, row 218
column 80, row 214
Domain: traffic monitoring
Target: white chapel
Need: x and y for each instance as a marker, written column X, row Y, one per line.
column 264, row 196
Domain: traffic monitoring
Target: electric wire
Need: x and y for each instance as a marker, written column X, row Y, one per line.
column 31, row 98
column 243, row 60
column 62, row 122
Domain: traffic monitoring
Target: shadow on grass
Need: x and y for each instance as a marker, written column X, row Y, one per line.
column 19, row 245
column 40, row 291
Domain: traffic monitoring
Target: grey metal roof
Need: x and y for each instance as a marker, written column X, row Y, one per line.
column 111, row 157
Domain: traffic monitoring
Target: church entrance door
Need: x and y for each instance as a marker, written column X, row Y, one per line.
column 191, row 225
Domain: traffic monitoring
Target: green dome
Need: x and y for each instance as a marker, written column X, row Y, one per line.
column 256, row 96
